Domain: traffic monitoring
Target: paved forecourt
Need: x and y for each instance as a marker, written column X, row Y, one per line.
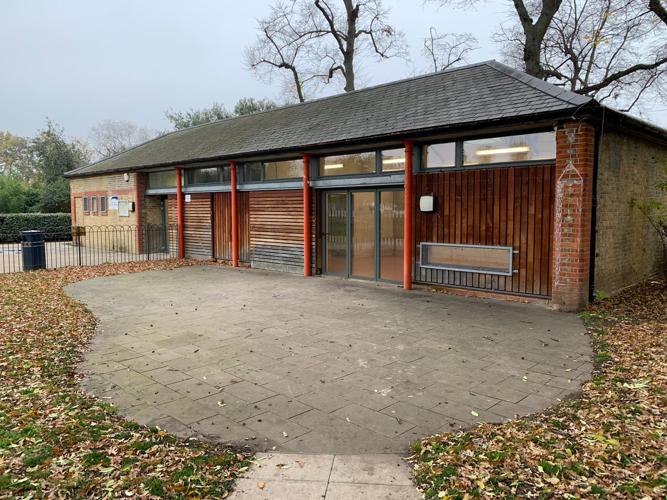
column 276, row 361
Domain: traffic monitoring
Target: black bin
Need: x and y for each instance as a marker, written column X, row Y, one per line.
column 33, row 250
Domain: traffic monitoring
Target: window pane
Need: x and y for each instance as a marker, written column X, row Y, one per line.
column 226, row 174
column 290, row 169
column 363, row 234
column 439, row 155
column 204, row 176
column 162, row 180
column 523, row 147
column 252, row 171
column 103, row 203
column 393, row 160
column 473, row 258
column 86, row 204
column 391, row 235
column 93, row 204
column 362, row 163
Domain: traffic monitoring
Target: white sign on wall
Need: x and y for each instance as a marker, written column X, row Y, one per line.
column 113, row 203
column 188, row 198
column 123, row 208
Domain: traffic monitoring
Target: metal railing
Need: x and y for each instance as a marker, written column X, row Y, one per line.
column 93, row 245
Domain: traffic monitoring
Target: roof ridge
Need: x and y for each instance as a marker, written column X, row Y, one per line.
column 541, row 85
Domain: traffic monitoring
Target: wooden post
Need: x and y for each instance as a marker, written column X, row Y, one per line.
column 408, row 244
column 307, row 248
column 179, row 213
column 234, row 215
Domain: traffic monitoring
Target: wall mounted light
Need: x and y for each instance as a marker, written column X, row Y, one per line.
column 126, row 177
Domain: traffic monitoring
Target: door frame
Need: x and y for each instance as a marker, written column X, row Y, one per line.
column 322, row 237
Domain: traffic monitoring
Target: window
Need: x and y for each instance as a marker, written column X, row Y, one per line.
column 86, row 204
column 251, row 171
column 513, row 148
column 360, row 163
column 393, row 160
column 103, row 204
column 439, row 155
column 467, row 258
column 210, row 175
column 93, row 204
column 287, row 169
column 162, row 180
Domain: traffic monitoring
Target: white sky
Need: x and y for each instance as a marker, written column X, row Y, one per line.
column 79, row 62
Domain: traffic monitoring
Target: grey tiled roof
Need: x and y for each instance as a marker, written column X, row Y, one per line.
column 477, row 93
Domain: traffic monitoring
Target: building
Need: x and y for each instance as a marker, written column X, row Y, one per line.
column 479, row 178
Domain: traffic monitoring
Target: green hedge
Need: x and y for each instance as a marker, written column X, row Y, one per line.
column 55, row 226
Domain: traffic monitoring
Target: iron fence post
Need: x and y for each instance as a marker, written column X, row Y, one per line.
column 148, row 241
column 78, row 242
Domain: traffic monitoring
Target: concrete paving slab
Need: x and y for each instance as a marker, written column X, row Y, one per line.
column 340, row 366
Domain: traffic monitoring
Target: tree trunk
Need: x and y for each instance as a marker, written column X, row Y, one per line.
column 352, row 12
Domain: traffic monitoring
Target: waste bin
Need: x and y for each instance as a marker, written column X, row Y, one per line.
column 33, row 250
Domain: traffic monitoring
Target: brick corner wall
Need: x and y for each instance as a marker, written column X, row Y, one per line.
column 573, row 211
column 628, row 249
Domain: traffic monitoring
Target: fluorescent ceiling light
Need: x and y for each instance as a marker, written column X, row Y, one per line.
column 500, row 151
column 333, row 166
column 389, row 161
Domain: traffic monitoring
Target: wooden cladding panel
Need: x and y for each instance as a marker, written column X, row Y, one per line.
column 276, row 229
column 503, row 207
column 197, row 224
column 222, row 229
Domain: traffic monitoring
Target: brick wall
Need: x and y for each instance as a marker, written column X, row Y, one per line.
column 627, row 248
column 105, row 185
column 575, row 151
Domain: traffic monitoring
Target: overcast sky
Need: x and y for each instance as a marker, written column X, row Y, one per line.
column 79, row 62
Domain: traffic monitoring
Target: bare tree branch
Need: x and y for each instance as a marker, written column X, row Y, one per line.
column 315, row 41
column 445, row 51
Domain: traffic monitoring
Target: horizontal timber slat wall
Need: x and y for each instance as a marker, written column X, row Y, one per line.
column 222, row 230
column 501, row 206
column 276, row 230
column 197, row 224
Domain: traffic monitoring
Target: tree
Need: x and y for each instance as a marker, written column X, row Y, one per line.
column 314, row 42
column 607, row 49
column 52, row 156
column 112, row 137
column 192, row 117
column 15, row 156
column 445, row 51
column 532, row 31
column 659, row 9
column 250, row 105
column 14, row 194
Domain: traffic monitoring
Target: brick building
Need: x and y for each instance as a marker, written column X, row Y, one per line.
column 480, row 179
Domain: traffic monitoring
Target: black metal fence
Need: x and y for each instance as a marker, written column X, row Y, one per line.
column 91, row 245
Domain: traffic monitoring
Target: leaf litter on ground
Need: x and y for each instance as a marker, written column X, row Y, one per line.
column 57, row 442
column 611, row 442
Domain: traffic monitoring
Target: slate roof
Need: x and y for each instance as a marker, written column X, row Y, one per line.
column 466, row 95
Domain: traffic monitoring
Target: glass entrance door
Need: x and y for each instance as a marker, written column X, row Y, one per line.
column 363, row 234
column 335, row 236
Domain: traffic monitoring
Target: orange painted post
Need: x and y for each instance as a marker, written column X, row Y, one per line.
column 179, row 213
column 408, row 244
column 307, row 248
column 235, row 224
